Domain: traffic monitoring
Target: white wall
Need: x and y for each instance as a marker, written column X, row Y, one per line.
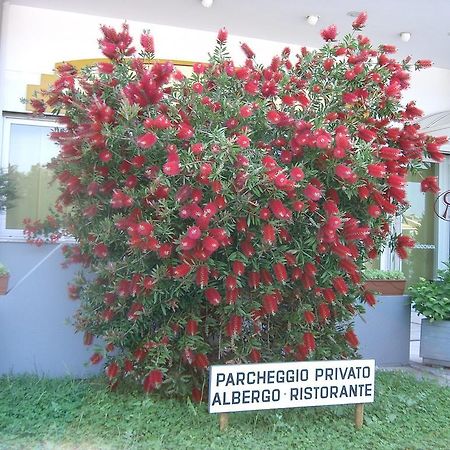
column 33, row 40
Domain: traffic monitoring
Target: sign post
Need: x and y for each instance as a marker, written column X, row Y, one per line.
column 251, row 387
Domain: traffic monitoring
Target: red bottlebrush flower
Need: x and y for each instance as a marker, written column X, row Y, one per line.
column 296, row 174
column 365, row 134
column 213, row 296
column 268, row 233
column 238, row 268
column 164, row 251
column 148, row 283
column 329, row 34
column 423, row 63
column 246, row 111
column 144, row 228
column 290, row 258
column 135, row 311
column 187, row 243
column 390, row 154
column 201, row 361
column 181, row 270
column 343, row 171
column 310, row 269
column 147, row 140
column 405, row 241
column 370, row 298
column 147, row 43
column 234, row 326
column 351, row 338
column 185, row 131
column 270, row 303
column 388, row 48
column 266, row 277
column 128, row 366
column 254, row 279
column 349, row 98
column 273, row 116
column 202, row 276
column 88, row 338
column 312, row 193
column 187, row 355
column 298, row 206
column 96, row 358
column 328, row 64
column 329, row 295
column 360, row 21
column 309, row 341
column 374, row 211
column 105, row 67
column 222, row 35
column 340, row 285
column 210, row 244
column 324, row 311
column 309, row 316
column 243, row 141
column 101, row 251
column 247, row 249
column 280, row 272
column 396, row 180
column 153, row 380
column 322, row 138
column 430, row 184
column 197, row 395
column 230, row 282
column 140, row 354
column 194, row 232
column 172, row 168
column 231, row 296
column 112, row 370
column 191, row 327
column 74, row 291
column 247, row 50
column 254, row 356
column 376, row 170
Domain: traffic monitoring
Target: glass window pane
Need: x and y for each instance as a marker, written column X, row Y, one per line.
column 419, row 223
column 30, row 149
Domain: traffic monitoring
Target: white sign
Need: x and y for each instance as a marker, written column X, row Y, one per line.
column 249, row 387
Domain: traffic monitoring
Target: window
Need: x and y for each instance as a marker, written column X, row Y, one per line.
column 26, row 150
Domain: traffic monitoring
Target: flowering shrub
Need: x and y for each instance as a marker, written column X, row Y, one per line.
column 227, row 216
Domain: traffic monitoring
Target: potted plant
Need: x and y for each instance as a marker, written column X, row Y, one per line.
column 385, row 282
column 432, row 299
column 4, row 279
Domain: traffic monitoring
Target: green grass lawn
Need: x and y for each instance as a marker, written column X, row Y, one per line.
column 66, row 414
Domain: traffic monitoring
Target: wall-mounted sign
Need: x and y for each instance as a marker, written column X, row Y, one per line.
column 249, row 387
column 442, row 206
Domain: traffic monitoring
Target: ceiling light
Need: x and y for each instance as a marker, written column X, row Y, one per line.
column 353, row 13
column 207, row 3
column 312, row 20
column 405, row 36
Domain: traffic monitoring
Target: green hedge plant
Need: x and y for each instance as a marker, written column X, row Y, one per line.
column 227, row 215
column 432, row 297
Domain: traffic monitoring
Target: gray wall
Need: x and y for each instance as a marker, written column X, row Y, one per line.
column 35, row 336
column 384, row 331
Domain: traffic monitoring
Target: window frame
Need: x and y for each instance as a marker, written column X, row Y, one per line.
column 11, row 234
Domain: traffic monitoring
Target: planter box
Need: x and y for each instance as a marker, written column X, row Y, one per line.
column 386, row 287
column 435, row 342
column 384, row 331
column 4, row 280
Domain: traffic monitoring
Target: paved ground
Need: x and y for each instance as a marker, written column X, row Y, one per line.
column 416, row 367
